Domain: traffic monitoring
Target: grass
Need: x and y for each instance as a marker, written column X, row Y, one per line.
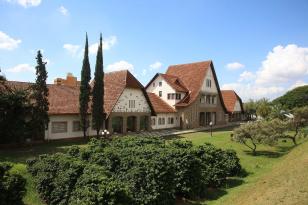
column 271, row 169
column 264, row 164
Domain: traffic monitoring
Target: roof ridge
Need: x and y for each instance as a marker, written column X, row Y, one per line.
column 197, row 62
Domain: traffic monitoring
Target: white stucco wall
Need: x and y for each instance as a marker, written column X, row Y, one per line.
column 141, row 104
column 237, row 106
column 166, row 125
column 165, row 88
column 69, row 134
column 213, row 88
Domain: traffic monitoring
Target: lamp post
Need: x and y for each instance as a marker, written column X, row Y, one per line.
column 105, row 133
column 211, row 124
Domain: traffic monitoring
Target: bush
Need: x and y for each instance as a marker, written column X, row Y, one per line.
column 131, row 170
column 12, row 186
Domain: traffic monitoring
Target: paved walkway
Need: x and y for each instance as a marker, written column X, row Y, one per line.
column 171, row 132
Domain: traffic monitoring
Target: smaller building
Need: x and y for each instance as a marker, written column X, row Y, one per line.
column 234, row 105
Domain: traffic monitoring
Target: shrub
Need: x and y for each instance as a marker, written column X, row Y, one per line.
column 12, row 186
column 132, row 170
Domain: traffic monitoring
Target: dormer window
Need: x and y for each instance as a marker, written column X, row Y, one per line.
column 178, row 96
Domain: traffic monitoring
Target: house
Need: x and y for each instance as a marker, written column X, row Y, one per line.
column 126, row 104
column 187, row 96
column 234, row 105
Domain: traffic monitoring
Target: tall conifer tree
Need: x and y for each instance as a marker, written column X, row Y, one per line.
column 39, row 95
column 98, row 90
column 85, row 90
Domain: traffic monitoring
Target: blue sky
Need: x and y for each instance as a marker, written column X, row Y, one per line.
column 259, row 48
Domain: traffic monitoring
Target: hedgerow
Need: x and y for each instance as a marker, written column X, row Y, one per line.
column 12, row 186
column 132, row 170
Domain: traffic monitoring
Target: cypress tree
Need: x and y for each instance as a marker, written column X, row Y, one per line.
column 85, row 90
column 39, row 95
column 98, row 91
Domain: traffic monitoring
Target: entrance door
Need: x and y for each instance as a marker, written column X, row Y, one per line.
column 131, row 124
column 117, row 124
column 207, row 118
column 144, row 120
column 201, row 119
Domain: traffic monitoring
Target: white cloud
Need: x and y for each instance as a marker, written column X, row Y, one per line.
column 234, row 66
column 21, row 68
column 156, row 65
column 298, row 84
column 121, row 65
column 26, row 3
column 283, row 64
column 63, row 10
column 7, row 42
column 107, row 44
column 246, row 76
column 247, row 91
column 71, row 49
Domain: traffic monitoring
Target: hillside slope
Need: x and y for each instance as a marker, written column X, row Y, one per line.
column 287, row 183
column 297, row 97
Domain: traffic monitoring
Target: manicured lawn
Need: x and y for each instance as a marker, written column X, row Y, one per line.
column 258, row 167
column 269, row 163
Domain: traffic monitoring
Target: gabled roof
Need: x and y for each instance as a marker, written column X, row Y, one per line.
column 193, row 75
column 64, row 99
column 159, row 105
column 173, row 81
column 229, row 98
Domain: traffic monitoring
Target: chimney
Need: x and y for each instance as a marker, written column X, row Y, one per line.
column 69, row 81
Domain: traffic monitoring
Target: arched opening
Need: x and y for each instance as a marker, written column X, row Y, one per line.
column 201, row 119
column 131, row 124
column 144, row 123
column 117, row 124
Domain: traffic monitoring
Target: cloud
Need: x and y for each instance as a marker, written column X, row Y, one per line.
column 234, row 66
column 298, row 84
column 246, row 76
column 7, row 42
column 21, row 68
column 156, row 65
column 283, row 64
column 26, row 3
column 71, row 49
column 63, row 10
column 108, row 43
column 121, row 65
column 248, row 91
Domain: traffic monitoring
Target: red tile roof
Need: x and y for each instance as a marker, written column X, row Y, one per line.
column 175, row 83
column 192, row 75
column 159, row 105
column 230, row 97
column 64, row 99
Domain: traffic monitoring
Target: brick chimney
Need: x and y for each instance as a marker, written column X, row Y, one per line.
column 69, row 81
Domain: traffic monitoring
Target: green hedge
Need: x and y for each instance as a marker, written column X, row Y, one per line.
column 132, row 170
column 12, row 186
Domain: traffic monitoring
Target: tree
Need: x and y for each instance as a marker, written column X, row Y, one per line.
column 39, row 95
column 250, row 108
column 298, row 97
column 98, row 91
column 2, row 76
column 85, row 90
column 263, row 108
column 253, row 133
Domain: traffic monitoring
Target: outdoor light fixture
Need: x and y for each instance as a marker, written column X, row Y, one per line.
column 211, row 124
column 105, row 133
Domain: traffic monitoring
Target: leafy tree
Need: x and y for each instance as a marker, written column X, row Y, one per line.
column 85, row 90
column 298, row 97
column 263, row 108
column 40, row 116
column 250, row 108
column 253, row 133
column 98, row 91
column 2, row 77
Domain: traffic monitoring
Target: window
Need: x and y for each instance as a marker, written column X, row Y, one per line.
column 76, row 126
column 131, row 103
column 160, row 84
column 208, row 99
column 170, row 120
column 178, row 96
column 173, row 96
column 58, row 127
column 169, row 96
column 202, row 99
column 153, row 121
column 161, row 121
column 153, row 84
column 208, row 83
column 160, row 93
column 213, row 99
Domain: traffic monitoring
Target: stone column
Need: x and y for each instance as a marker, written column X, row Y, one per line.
column 124, row 126
column 137, row 123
